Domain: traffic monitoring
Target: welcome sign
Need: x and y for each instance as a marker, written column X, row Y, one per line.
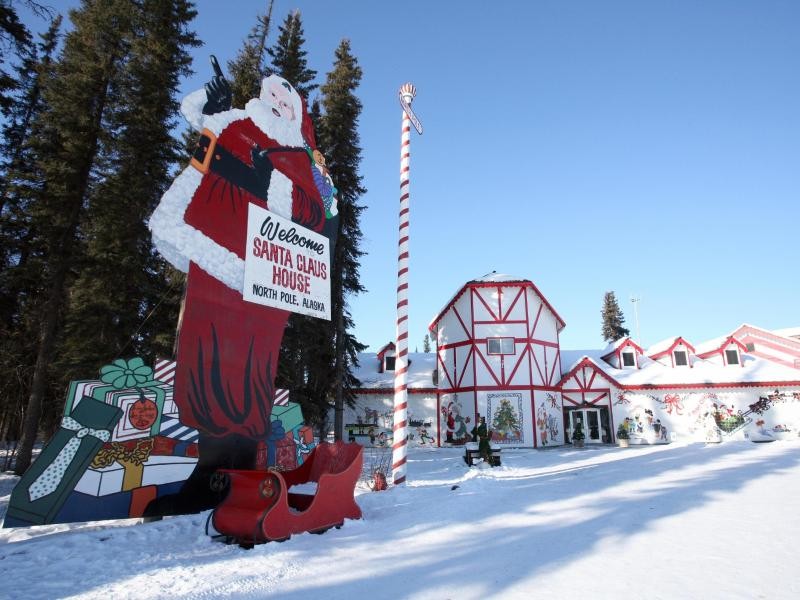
column 286, row 266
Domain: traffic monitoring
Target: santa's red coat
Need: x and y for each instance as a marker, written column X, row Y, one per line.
column 228, row 348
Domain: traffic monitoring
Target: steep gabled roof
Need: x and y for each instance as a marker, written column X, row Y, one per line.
column 614, row 346
column 775, row 336
column 385, row 349
column 716, row 345
column 587, row 361
column 495, row 280
column 666, row 346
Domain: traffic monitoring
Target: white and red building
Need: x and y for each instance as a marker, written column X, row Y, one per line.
column 498, row 356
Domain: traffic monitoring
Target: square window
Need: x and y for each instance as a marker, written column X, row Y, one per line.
column 681, row 360
column 500, row 345
column 389, row 363
column 628, row 360
column 732, row 357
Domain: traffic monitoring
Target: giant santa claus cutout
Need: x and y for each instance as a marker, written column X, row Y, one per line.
column 264, row 155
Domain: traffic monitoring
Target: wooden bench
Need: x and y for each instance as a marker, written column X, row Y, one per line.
column 472, row 454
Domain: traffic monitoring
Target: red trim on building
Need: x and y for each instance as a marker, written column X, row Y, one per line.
column 506, row 388
column 524, row 283
column 732, row 384
column 722, row 347
column 519, row 362
column 536, row 321
column 628, row 343
column 586, row 361
column 489, row 310
column 461, row 321
column 511, row 308
column 444, row 369
column 678, row 340
column 470, row 354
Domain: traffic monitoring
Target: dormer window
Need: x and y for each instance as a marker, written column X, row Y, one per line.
column 504, row 345
column 681, row 358
column 628, row 359
column 732, row 357
column 389, row 361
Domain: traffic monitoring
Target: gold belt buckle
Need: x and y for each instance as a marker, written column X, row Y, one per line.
column 201, row 160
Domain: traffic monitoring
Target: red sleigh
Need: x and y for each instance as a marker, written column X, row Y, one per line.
column 259, row 506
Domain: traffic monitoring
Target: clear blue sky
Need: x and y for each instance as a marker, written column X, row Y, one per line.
column 650, row 148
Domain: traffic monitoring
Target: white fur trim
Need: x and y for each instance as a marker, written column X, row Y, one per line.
column 192, row 110
column 280, row 194
column 180, row 243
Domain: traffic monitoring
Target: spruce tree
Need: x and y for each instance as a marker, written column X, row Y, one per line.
column 66, row 145
column 97, row 153
column 426, row 344
column 612, row 319
column 289, row 57
column 340, row 143
column 20, row 286
column 123, row 283
column 13, row 34
column 249, row 67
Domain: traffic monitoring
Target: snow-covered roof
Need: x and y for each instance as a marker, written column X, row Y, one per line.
column 665, row 345
column 388, row 347
column 614, row 346
column 788, row 332
column 703, row 372
column 716, row 344
column 495, row 277
column 419, row 375
column 571, row 358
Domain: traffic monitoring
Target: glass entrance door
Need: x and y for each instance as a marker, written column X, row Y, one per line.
column 590, row 421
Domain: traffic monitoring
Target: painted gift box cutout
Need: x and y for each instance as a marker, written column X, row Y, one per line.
column 120, row 476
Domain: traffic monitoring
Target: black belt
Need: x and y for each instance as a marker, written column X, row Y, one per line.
column 209, row 156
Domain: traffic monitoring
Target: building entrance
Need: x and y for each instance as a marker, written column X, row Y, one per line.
column 594, row 422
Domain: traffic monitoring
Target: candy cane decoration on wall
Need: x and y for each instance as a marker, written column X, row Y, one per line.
column 400, row 436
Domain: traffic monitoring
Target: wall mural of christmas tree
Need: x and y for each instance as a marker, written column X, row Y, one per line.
column 505, row 417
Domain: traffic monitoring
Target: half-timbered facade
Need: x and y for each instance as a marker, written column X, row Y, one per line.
column 498, row 356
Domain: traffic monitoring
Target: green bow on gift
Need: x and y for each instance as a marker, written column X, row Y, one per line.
column 126, row 373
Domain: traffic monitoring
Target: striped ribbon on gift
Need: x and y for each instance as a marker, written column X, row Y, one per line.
column 281, row 398
column 164, row 371
column 173, row 428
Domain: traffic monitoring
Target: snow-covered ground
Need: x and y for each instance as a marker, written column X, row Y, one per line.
column 694, row 521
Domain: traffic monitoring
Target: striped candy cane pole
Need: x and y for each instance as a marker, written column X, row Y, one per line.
column 400, row 445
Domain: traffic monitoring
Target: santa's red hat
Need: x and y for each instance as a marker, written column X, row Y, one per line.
column 307, row 126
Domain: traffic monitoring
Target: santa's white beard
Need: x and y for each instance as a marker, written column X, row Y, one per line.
column 280, row 129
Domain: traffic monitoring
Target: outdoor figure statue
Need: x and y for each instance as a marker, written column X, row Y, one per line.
column 263, row 155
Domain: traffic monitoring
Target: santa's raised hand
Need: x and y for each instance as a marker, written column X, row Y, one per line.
column 218, row 91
